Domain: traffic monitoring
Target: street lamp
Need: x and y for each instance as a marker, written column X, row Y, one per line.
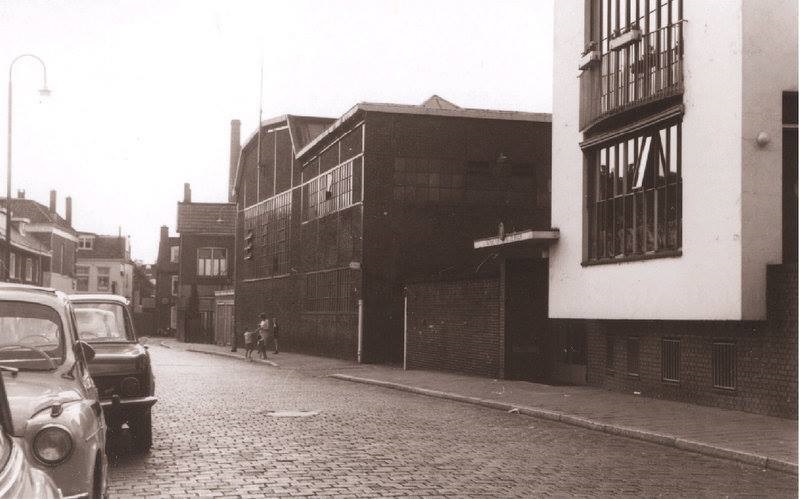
column 44, row 91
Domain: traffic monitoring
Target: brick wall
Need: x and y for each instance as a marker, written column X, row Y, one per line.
column 456, row 326
column 765, row 355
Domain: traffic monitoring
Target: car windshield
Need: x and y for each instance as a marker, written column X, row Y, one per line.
column 31, row 336
column 102, row 322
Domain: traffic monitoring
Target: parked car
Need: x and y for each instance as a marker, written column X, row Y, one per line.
column 121, row 365
column 18, row 477
column 55, row 408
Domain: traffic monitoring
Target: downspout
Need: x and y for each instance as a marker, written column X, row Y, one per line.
column 360, row 329
column 405, row 329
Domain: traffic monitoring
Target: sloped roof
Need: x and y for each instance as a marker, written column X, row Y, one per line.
column 106, row 247
column 24, row 241
column 207, row 218
column 36, row 212
column 433, row 106
column 302, row 130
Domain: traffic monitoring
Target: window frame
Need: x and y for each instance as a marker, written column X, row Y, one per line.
column 626, row 177
column 208, row 264
column 174, row 253
column 174, row 285
column 104, row 273
column 12, row 265
column 29, row 269
column 86, row 242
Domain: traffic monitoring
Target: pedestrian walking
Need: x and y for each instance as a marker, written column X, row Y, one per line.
column 263, row 336
column 250, row 344
column 275, row 333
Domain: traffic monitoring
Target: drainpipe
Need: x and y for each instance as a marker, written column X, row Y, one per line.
column 360, row 329
column 405, row 329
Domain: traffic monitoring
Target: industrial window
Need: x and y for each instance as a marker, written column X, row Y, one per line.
column 331, row 191
column 723, row 364
column 330, row 291
column 267, row 226
column 633, row 356
column 103, row 279
column 608, row 19
column 81, row 278
column 670, row 359
column 610, row 352
column 212, row 262
column 422, row 180
column 634, row 195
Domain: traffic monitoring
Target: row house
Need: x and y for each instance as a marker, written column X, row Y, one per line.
column 337, row 217
column 166, row 275
column 103, row 264
column 675, row 191
column 205, row 246
column 28, row 256
column 54, row 232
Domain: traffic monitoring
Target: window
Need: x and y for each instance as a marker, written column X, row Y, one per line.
column 103, row 279
column 610, row 343
column 174, row 252
column 670, row 359
column 174, row 285
column 330, row 291
column 12, row 266
column 330, row 192
column 82, row 278
column 267, row 233
column 29, row 270
column 212, row 262
column 85, row 242
column 723, row 364
column 634, row 195
column 633, row 356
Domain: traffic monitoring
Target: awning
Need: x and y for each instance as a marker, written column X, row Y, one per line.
column 546, row 237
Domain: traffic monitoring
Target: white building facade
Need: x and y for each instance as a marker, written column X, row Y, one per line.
column 674, row 133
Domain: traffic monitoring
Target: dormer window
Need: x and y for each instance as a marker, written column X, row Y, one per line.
column 85, row 242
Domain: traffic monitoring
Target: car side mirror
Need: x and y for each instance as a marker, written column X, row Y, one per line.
column 83, row 348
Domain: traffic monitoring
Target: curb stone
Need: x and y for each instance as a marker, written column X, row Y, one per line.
column 633, row 433
column 230, row 356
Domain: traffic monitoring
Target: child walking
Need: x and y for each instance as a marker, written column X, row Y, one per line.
column 250, row 344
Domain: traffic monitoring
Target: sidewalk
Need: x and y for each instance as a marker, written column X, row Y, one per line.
column 763, row 441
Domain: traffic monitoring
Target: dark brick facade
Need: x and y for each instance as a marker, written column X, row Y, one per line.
column 456, row 326
column 765, row 355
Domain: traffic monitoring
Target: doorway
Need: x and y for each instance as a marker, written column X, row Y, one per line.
column 526, row 320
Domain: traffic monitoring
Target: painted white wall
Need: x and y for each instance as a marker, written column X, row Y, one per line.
column 705, row 282
column 769, row 68
column 59, row 282
column 123, row 279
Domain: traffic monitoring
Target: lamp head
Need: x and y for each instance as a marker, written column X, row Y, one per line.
column 44, row 92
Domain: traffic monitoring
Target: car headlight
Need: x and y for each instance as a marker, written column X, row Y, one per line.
column 130, row 386
column 52, row 445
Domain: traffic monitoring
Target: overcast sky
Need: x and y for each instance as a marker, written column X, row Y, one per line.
column 144, row 91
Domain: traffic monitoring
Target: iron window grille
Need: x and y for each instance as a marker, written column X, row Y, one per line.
column 634, row 195
column 633, row 356
column 670, row 360
column 330, row 192
column 330, row 291
column 723, row 364
column 267, row 234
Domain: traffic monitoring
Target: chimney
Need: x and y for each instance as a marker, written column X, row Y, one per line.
column 68, row 214
column 187, row 193
column 164, row 233
column 21, row 193
column 236, row 150
column 53, row 201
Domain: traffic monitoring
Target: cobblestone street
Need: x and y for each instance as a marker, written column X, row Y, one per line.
column 213, row 436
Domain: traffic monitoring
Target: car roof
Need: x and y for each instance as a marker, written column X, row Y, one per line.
column 98, row 297
column 37, row 294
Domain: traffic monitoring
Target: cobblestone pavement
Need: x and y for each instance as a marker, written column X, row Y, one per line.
column 213, row 436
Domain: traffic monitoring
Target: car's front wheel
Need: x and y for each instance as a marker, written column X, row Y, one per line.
column 141, row 426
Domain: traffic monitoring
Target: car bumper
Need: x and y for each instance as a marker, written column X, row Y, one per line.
column 117, row 402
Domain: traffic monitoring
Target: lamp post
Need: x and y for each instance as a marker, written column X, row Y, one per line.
column 44, row 91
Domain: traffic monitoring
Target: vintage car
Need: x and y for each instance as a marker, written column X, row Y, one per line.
column 18, row 478
column 121, row 366
column 55, row 408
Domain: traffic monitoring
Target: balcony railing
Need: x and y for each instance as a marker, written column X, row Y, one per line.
column 647, row 69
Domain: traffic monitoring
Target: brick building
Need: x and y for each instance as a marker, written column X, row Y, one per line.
column 341, row 216
column 103, row 264
column 56, row 235
column 166, row 271
column 205, row 245
column 675, row 192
